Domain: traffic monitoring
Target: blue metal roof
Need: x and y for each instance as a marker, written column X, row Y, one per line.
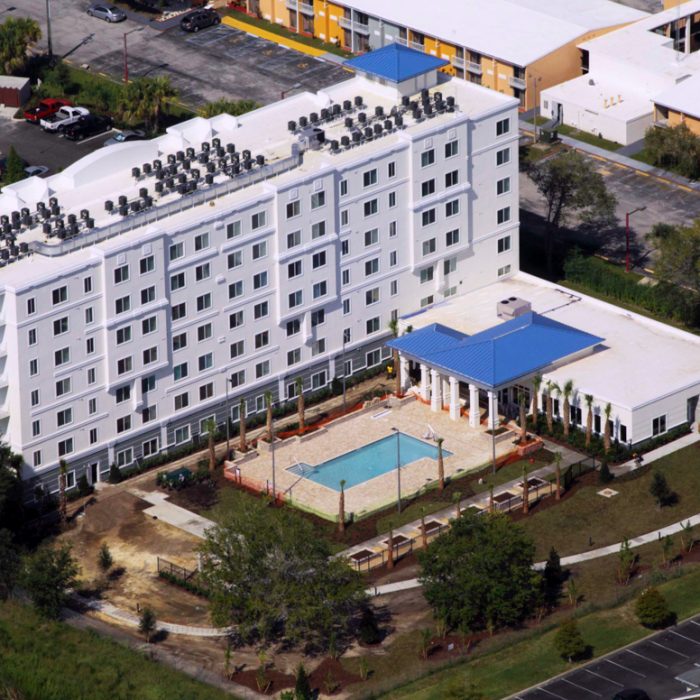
column 396, row 63
column 499, row 355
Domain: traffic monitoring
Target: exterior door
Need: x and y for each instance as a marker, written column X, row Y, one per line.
column 94, row 472
column 692, row 409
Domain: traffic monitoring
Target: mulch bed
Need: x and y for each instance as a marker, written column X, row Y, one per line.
column 277, row 680
column 453, row 646
column 331, row 678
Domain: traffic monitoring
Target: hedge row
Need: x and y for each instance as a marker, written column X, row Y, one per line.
column 189, row 586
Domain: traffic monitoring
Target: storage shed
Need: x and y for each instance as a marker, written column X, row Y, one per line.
column 14, row 91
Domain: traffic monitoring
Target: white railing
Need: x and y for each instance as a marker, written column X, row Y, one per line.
column 306, row 9
column 345, row 22
column 416, row 46
column 401, row 40
column 517, row 83
column 291, row 4
column 473, row 67
column 457, row 62
column 360, row 28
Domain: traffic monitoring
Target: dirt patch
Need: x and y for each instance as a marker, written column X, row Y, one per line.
column 273, row 682
column 331, row 678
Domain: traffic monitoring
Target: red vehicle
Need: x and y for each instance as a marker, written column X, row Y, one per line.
column 45, row 108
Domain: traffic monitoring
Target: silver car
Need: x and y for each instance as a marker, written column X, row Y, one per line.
column 109, row 13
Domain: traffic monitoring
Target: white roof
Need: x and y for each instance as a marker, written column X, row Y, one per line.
column 683, row 97
column 619, row 372
column 11, row 81
column 517, row 31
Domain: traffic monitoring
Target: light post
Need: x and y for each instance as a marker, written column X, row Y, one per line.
column 228, row 418
column 126, row 57
column 398, row 467
column 627, row 235
column 272, row 453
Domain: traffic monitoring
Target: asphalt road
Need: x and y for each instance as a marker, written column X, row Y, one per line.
column 665, row 666
column 217, row 62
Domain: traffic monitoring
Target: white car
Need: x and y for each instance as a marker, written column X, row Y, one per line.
column 36, row 170
column 63, row 118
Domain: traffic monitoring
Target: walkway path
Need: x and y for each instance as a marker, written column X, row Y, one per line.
column 658, row 453
column 181, row 518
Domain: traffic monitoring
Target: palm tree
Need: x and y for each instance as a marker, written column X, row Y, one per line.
column 523, row 416
column 550, row 388
column 211, row 429
column 441, row 465
column 224, row 106
column 567, row 391
column 394, row 328
column 241, row 426
column 589, row 418
column 557, row 461
column 341, row 507
column 536, row 386
column 62, row 483
column 300, row 404
column 526, row 493
column 268, row 406
column 146, row 98
column 457, row 498
column 16, row 35
column 492, row 503
column 606, row 430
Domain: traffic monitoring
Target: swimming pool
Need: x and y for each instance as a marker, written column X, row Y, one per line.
column 366, row 462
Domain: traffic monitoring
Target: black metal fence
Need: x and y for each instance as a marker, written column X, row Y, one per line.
column 179, row 572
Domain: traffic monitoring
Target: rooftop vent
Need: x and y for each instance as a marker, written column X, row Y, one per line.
column 512, row 307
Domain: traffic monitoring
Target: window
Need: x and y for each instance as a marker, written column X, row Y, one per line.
column 260, row 403
column 181, row 401
column 204, row 302
column 123, row 335
column 62, row 387
column 451, row 148
column 318, row 380
column 65, row 447
column 391, row 169
column 426, row 275
column 180, row 371
column 123, row 304
column 427, row 187
column 346, row 307
column 147, row 264
column 293, row 209
column 61, row 357
column 235, row 259
column 257, row 220
column 261, row 310
column 262, row 369
column 123, row 424
column 148, row 325
column 89, row 346
column 124, row 365
column 622, row 432
column 31, row 306
column 204, row 332
column 93, row 436
column 372, row 325
column 292, row 390
column 150, row 447
column 504, row 244
column 371, row 207
column 373, row 358
column 177, row 281
column 428, row 217
column 344, row 217
column 429, row 246
column 260, row 250
column 237, row 349
column 206, row 391
column 427, row 158
column 36, row 428
column 320, row 289
column 452, row 237
column 89, row 316
column 60, row 326
column 345, row 247
column 92, row 407
column 148, row 295
column 427, row 301
column 150, row 355
column 179, row 311
column 33, row 367
column 36, row 458
column 293, row 327
column 503, row 215
column 260, row 280
column 235, row 320
column 449, row 266
column 503, row 156
column 318, row 317
column 452, row 208
column 293, row 357
column 262, row 339
column 318, row 229
column 371, row 296
column 293, row 239
column 503, row 186
column 294, row 269
column 392, row 200
column 179, row 341
column 148, row 414
column 87, row 285
column 201, row 242
column 392, row 229
column 176, row 251
column 295, row 299
column 121, row 274
column 182, row 434
column 202, row 272
column 318, row 199
column 318, row 260
column 394, row 288
column 502, row 271
column 205, row 362
column 91, row 375
column 148, row 383
column 372, row 237
column 343, row 188
column 369, row 178
column 658, row 425
column 233, row 229
column 35, row 397
column 371, row 267
column 59, row 296
column 502, row 126
column 235, row 289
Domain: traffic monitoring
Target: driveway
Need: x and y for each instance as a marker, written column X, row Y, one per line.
column 665, row 666
column 217, row 62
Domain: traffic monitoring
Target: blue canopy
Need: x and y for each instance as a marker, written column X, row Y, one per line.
column 395, row 63
column 497, row 356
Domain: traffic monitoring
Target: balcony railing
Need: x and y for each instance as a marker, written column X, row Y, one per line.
column 401, row 40
column 475, row 68
column 457, row 62
column 306, row 9
column 345, row 22
column 361, row 28
column 517, row 83
column 416, row 46
column 291, row 5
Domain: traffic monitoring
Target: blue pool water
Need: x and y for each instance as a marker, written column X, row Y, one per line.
column 366, row 462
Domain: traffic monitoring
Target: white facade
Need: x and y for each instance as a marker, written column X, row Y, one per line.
column 116, row 350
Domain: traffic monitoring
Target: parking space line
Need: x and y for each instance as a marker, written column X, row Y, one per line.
column 646, row 658
column 549, row 692
column 581, row 687
column 605, row 678
column 692, row 622
column 673, row 651
column 624, row 668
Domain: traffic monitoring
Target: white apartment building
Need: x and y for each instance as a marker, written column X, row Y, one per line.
column 124, row 330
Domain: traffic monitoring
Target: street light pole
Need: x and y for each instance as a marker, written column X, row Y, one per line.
column 126, row 57
column 535, row 80
column 627, row 235
column 398, row 467
column 272, row 452
column 48, row 30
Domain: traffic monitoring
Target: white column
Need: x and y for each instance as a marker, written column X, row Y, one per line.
column 473, row 406
column 163, row 436
column 493, row 410
column 403, row 368
column 445, row 390
column 435, row 399
column 424, row 382
column 454, row 398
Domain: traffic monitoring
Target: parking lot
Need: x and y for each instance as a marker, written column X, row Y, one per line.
column 666, row 666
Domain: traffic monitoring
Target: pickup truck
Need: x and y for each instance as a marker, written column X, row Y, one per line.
column 63, row 118
column 45, row 109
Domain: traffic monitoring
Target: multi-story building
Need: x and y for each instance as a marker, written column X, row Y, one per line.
column 517, row 47
column 150, row 286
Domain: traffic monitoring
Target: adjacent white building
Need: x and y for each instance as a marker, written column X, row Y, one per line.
column 124, row 330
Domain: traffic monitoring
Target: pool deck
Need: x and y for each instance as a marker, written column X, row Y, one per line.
column 470, row 448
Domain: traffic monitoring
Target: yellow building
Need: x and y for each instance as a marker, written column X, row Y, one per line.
column 680, row 105
column 517, row 47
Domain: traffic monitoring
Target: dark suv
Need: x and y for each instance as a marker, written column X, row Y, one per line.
column 87, row 126
column 199, row 19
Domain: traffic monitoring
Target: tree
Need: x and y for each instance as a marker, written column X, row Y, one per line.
column 147, row 623
column 571, row 185
column 626, row 562
column 146, row 99
column 11, row 497
column 49, row 573
column 572, row 591
column 17, row 34
column 395, row 360
column 569, row 642
column 652, row 609
column 606, row 429
column 14, row 167
column 211, row 445
column 522, row 401
column 104, row 558
column 536, row 386
column 224, row 106
column 674, row 149
column 567, row 392
column 368, row 629
column 10, row 568
column 677, row 254
column 423, row 531
column 341, row 507
column 299, row 382
column 550, row 387
column 660, row 490
column 479, row 574
column 62, row 482
column 426, row 643
column 302, row 685
column 268, row 415
column 552, row 578
column 687, row 540
column 666, row 548
column 241, row 426
column 272, row 577
column 115, row 475
column 589, row 418
column 605, row 476
column 440, row 465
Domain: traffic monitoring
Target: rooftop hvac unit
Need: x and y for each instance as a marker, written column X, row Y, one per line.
column 512, row 307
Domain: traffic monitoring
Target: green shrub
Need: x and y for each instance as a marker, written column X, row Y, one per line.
column 652, row 609
column 115, row 476
column 569, row 642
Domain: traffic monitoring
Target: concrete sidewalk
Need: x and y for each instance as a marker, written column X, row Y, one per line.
column 169, row 513
column 658, row 453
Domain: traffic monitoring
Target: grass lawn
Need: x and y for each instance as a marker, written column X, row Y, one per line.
column 52, row 661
